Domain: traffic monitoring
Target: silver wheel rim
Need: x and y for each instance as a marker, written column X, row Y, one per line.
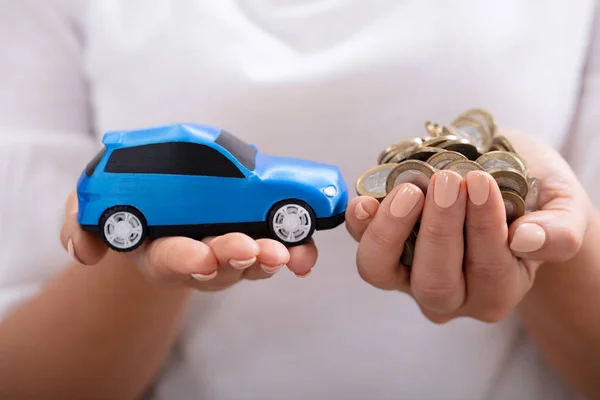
column 292, row 223
column 123, row 230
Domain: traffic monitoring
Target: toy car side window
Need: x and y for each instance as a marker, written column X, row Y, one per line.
column 91, row 166
column 176, row 158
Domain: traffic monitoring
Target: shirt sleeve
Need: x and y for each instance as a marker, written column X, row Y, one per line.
column 582, row 147
column 45, row 139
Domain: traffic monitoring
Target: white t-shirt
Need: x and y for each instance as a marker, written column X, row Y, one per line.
column 332, row 81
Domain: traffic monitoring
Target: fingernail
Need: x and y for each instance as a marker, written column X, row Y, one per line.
column 447, row 186
column 528, row 237
column 478, row 187
column 242, row 264
column 71, row 251
column 204, row 278
column 305, row 275
column 360, row 212
column 270, row 270
column 404, row 201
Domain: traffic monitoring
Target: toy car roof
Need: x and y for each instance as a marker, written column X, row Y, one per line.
column 197, row 133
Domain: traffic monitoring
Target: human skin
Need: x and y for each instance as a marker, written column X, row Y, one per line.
column 103, row 327
column 545, row 266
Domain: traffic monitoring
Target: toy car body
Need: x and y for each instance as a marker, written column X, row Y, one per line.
column 196, row 181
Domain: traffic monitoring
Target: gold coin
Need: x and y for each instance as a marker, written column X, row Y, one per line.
column 424, row 153
column 397, row 147
column 434, row 129
column 458, row 133
column 440, row 160
column 436, row 141
column 372, row 182
column 479, row 134
column 501, row 159
column 482, row 116
column 411, row 171
column 463, row 167
column 510, row 178
column 513, row 204
column 502, row 143
column 463, row 147
column 402, row 155
column 533, row 193
column 408, row 252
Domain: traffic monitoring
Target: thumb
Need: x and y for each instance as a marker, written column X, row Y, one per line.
column 553, row 234
column 84, row 247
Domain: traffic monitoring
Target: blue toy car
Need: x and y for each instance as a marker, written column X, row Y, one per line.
column 196, row 181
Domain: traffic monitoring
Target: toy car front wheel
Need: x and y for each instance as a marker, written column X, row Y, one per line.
column 123, row 228
column 291, row 222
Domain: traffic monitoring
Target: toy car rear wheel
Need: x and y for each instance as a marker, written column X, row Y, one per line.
column 123, row 228
column 291, row 222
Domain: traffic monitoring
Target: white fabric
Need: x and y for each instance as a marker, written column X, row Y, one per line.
column 332, row 81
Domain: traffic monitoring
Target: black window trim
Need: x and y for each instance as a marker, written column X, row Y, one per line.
column 126, row 166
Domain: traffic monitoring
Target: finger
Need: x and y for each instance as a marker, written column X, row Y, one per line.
column 359, row 213
column 176, row 259
column 273, row 255
column 437, row 280
column 381, row 245
column 495, row 281
column 303, row 258
column 84, row 247
column 553, row 234
column 235, row 251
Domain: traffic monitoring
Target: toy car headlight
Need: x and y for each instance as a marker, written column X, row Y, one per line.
column 330, row 191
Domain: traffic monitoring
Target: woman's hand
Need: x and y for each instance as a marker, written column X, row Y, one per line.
column 467, row 261
column 212, row 264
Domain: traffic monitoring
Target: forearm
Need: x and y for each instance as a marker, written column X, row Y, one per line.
column 562, row 314
column 100, row 331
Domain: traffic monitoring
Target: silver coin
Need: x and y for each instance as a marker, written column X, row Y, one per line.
column 411, row 171
column 463, row 167
column 513, row 204
column 501, row 159
column 462, row 146
column 483, row 117
column 509, row 178
column 401, row 146
column 479, row 135
column 440, row 160
column 372, row 183
column 424, row 153
column 533, row 194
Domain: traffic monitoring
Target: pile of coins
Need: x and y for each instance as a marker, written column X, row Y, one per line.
column 469, row 143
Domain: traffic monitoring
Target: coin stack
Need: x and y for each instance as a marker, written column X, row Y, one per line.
column 469, row 143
